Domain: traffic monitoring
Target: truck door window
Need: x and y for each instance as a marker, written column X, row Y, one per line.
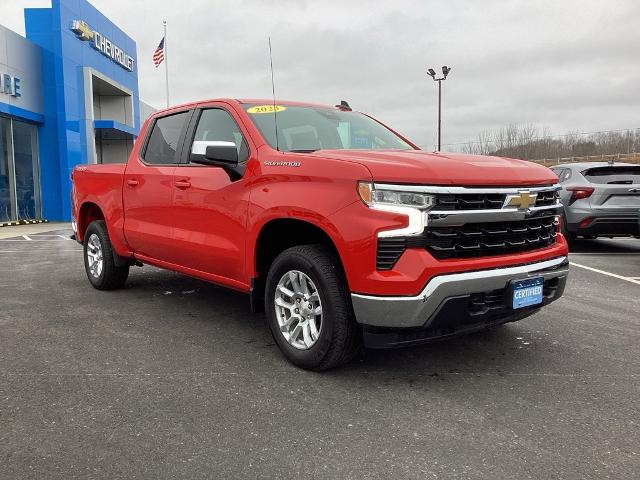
column 216, row 125
column 163, row 142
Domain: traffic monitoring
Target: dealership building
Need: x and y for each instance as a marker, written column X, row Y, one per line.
column 68, row 96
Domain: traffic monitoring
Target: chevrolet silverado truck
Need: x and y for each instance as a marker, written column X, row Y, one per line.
column 344, row 231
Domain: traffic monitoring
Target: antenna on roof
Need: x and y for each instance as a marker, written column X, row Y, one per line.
column 273, row 94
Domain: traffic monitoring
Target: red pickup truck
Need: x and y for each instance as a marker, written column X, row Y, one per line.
column 342, row 230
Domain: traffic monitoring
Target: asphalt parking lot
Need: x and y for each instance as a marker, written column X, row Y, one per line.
column 174, row 378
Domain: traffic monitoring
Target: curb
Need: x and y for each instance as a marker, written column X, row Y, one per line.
column 22, row 222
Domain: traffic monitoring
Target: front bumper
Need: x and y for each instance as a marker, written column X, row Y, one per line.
column 422, row 310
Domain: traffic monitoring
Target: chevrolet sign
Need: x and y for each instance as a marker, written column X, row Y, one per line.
column 102, row 44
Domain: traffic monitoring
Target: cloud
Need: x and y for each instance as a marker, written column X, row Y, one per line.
column 569, row 65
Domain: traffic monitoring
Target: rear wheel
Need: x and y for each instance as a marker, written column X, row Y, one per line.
column 98, row 259
column 309, row 309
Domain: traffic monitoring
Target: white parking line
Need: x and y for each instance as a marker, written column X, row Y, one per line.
column 56, row 239
column 46, row 235
column 26, row 237
column 41, row 250
column 627, row 279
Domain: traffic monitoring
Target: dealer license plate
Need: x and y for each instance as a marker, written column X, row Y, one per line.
column 527, row 292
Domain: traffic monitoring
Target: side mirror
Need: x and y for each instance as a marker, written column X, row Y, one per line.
column 214, row 153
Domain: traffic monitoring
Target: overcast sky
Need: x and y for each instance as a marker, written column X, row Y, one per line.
column 571, row 65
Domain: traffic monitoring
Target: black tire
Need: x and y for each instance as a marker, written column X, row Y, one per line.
column 340, row 336
column 111, row 277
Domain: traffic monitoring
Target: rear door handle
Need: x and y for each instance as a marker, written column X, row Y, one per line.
column 182, row 184
column 132, row 183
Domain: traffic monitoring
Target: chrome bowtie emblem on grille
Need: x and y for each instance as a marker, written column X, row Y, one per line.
column 521, row 200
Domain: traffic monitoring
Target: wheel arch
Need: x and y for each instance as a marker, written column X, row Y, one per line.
column 87, row 213
column 272, row 239
column 90, row 212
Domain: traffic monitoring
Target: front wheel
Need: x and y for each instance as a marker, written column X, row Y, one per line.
column 99, row 263
column 309, row 309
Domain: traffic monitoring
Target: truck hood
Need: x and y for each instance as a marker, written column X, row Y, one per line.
column 421, row 167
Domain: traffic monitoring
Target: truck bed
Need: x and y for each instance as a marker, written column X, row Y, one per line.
column 100, row 185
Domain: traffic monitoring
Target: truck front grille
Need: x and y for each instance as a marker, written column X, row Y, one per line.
column 485, row 239
column 547, row 198
column 469, row 201
column 472, row 240
column 483, row 201
column 467, row 222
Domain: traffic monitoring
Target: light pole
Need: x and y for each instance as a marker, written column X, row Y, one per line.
column 431, row 72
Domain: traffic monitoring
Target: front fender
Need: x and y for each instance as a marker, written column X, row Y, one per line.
column 313, row 217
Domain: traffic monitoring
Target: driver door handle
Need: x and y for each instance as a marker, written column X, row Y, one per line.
column 182, row 184
column 132, row 182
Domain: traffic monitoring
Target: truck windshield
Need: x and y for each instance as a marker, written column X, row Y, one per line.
column 306, row 129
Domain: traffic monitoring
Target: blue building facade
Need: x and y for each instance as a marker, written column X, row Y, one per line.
column 70, row 96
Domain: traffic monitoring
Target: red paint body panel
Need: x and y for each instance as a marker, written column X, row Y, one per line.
column 101, row 185
column 426, row 168
column 147, row 201
column 197, row 221
column 209, row 222
column 416, row 266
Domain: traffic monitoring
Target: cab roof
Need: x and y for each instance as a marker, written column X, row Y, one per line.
column 245, row 101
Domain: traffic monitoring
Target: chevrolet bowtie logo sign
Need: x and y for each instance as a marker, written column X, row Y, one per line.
column 82, row 30
column 101, row 43
column 522, row 200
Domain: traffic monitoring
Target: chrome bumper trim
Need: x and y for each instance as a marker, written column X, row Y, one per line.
column 460, row 217
column 414, row 311
column 449, row 190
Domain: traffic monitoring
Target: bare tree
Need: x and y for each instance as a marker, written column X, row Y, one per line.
column 528, row 142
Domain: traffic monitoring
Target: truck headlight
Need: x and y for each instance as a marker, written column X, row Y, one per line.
column 382, row 196
column 413, row 205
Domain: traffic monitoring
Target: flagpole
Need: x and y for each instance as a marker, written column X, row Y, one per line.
column 166, row 60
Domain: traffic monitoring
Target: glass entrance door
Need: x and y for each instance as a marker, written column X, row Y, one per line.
column 7, row 205
column 26, row 170
column 19, row 171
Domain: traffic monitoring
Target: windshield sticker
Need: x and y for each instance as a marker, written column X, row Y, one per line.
column 265, row 109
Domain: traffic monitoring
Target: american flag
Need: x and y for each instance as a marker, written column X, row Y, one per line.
column 158, row 55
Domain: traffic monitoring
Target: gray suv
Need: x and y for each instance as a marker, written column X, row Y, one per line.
column 599, row 199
